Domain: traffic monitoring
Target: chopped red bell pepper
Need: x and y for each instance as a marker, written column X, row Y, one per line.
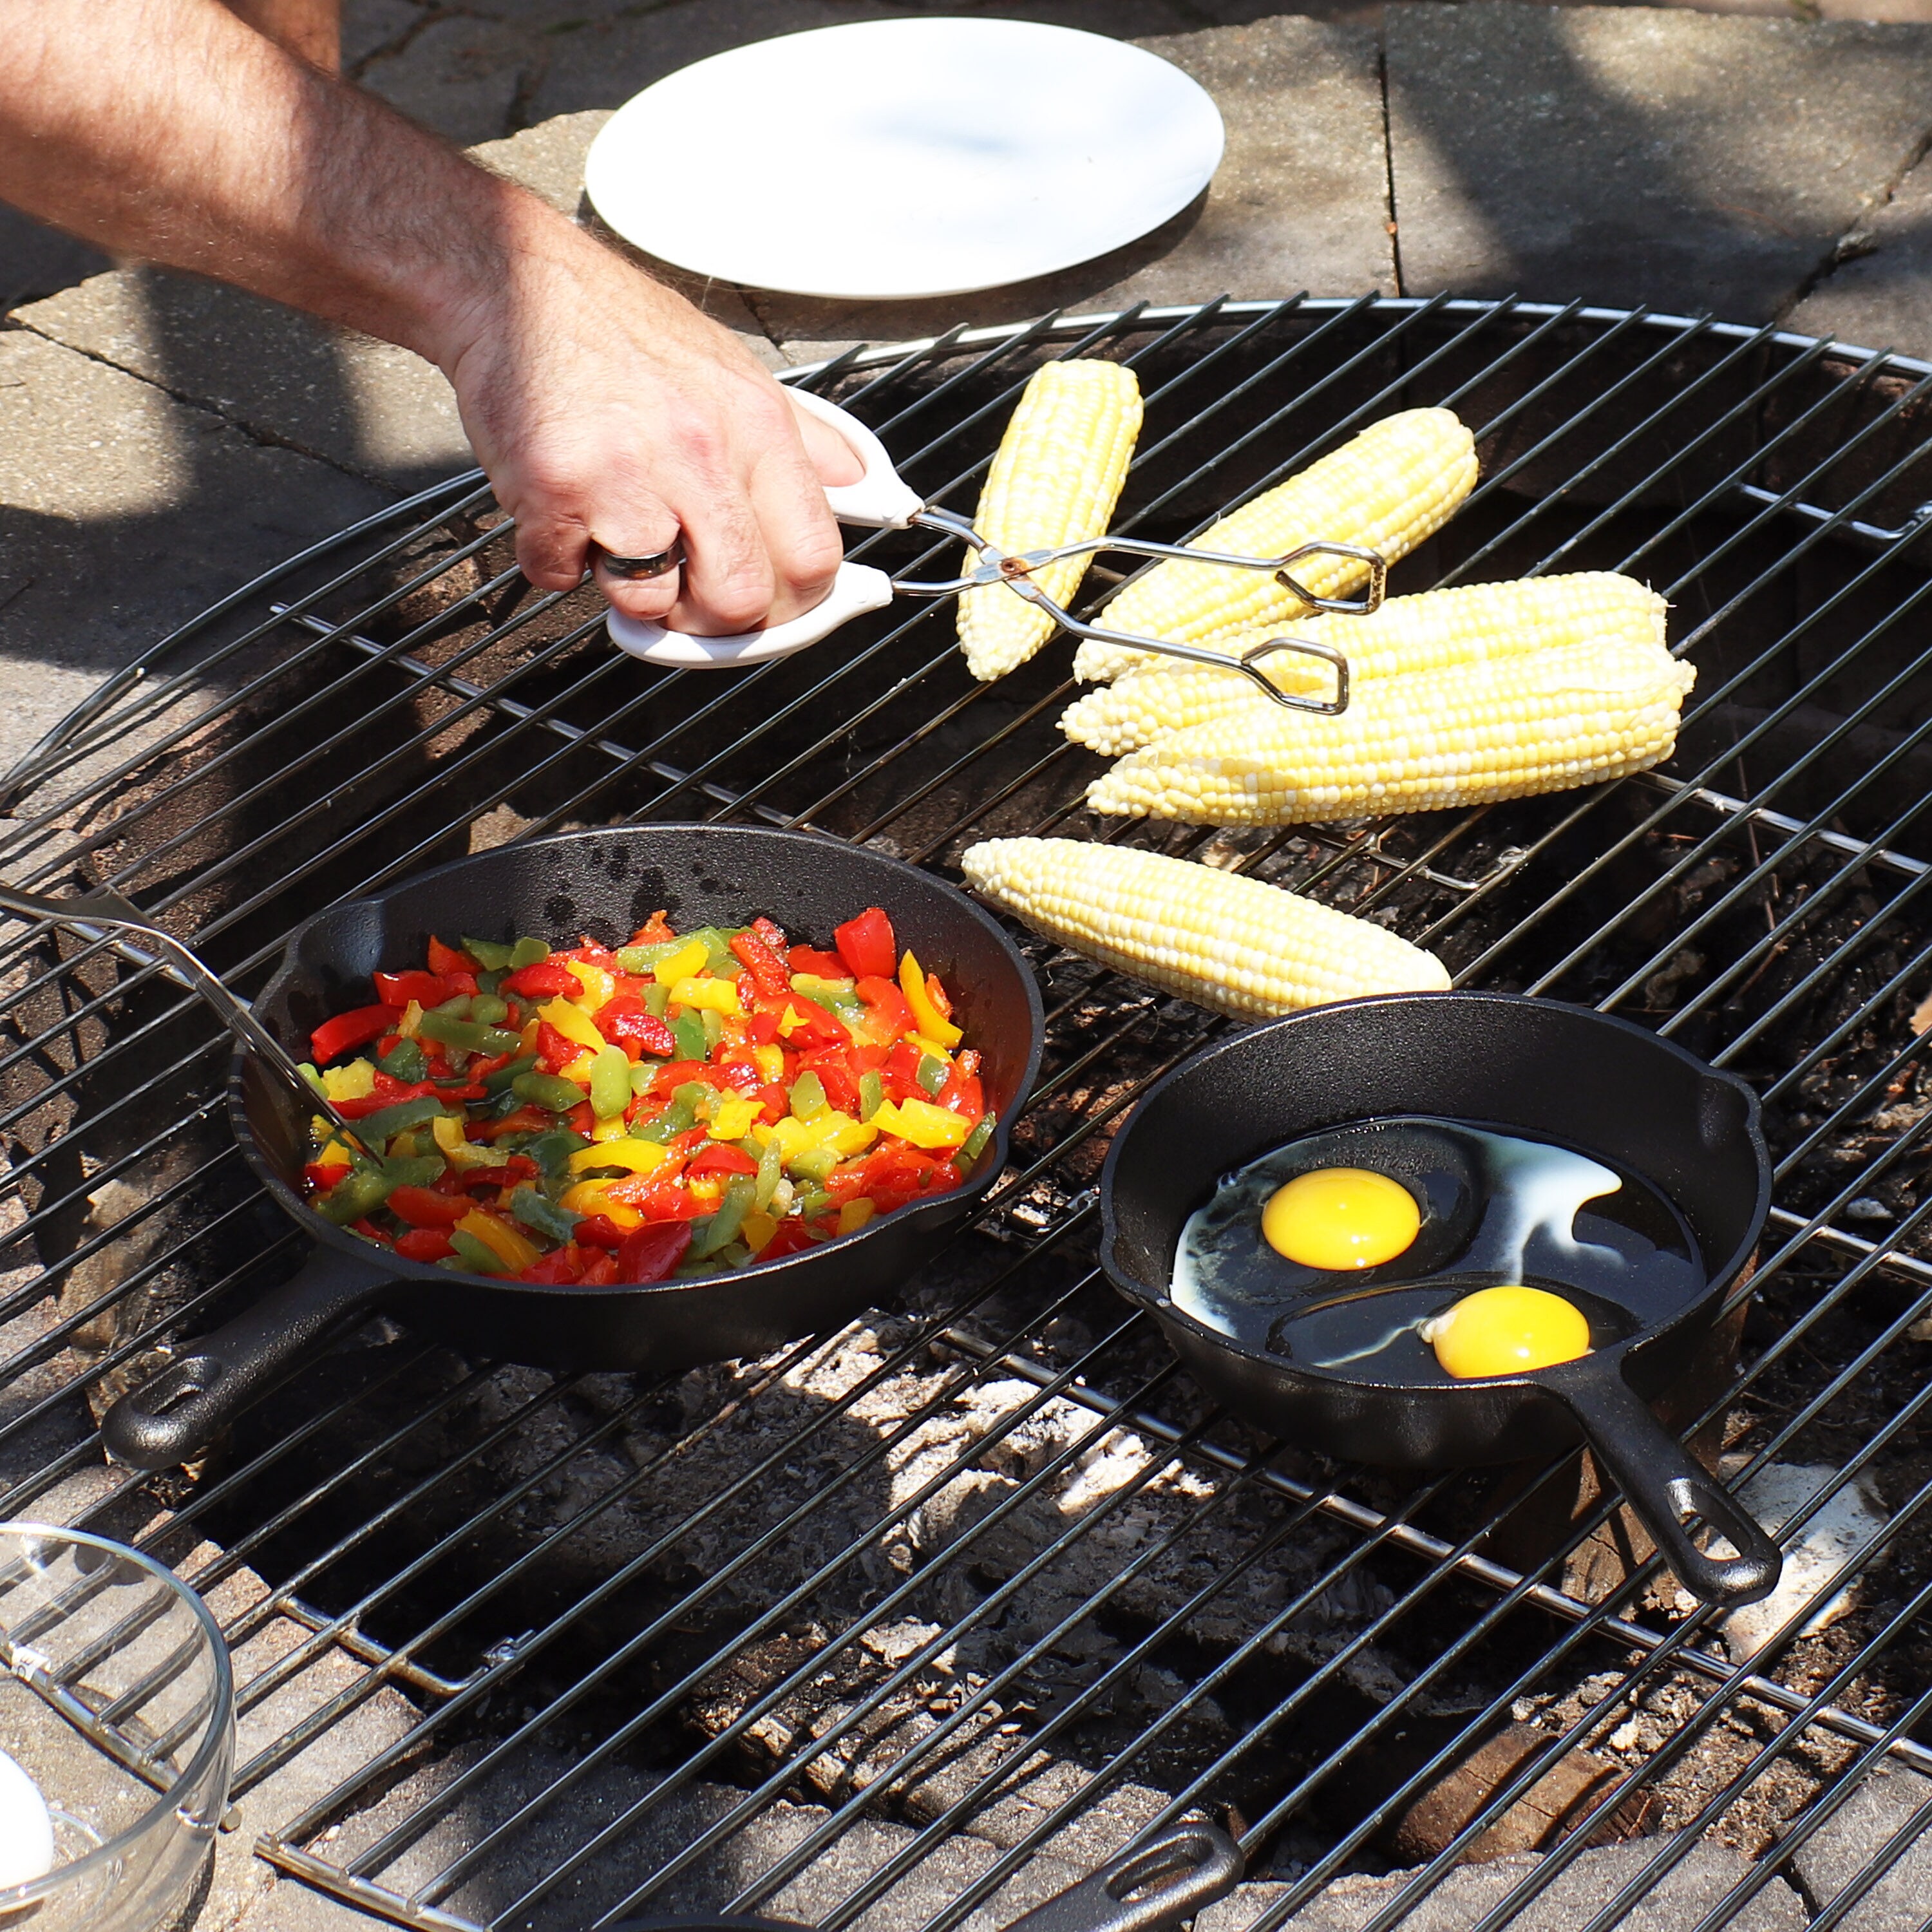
column 398, row 989
column 588, row 952
column 740, row 1075
column 548, row 979
column 322, row 1176
column 962, row 1093
column 941, row 999
column 834, row 1074
column 598, row 1230
column 555, row 1051
column 449, row 959
column 655, row 930
column 425, row 1244
column 772, row 934
column 867, row 946
column 422, row 1207
column 630, row 1024
column 357, row 1028
column 721, row 1157
column 457, row 981
column 581, row 1119
column 554, row 1270
column 888, row 1017
column 901, row 1072
column 650, row 1253
column 826, row 965
column 768, row 970
column 776, row 1098
column 368, row 1230
column 761, row 1028
column 600, row 1272
column 791, row 1237
column 816, row 1026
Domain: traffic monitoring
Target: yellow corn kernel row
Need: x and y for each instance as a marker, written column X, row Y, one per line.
column 1235, row 945
column 1433, row 630
column 1055, row 479
column 1396, row 483
column 1505, row 729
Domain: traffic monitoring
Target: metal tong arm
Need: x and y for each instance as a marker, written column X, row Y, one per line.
column 1015, row 570
column 87, row 913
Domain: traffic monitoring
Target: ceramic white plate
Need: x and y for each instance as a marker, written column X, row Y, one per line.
column 896, row 158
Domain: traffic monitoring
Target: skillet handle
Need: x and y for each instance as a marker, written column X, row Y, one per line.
column 1666, row 1486
column 197, row 1396
column 1207, row 1863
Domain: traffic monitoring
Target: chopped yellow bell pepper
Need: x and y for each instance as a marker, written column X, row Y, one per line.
column 526, row 1040
column 682, row 963
column 590, row 1197
column 334, row 1153
column 637, row 1157
column 932, row 1046
column 770, row 1060
column 356, row 1081
column 923, row 1124
column 852, row 1215
column 705, row 1192
column 599, row 989
column 459, row 1152
column 789, row 1020
column 579, row 1069
column 720, row 995
column 932, row 1024
column 612, row 1130
column 736, row 1119
column 411, row 1018
column 500, row 1238
column 574, row 1023
column 757, row 1230
column 838, row 1132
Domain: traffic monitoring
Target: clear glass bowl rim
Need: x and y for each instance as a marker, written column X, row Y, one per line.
column 37, row 1891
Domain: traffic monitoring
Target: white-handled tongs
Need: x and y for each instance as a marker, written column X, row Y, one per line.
column 881, row 500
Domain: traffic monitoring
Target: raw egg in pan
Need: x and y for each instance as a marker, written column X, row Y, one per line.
column 1415, row 1249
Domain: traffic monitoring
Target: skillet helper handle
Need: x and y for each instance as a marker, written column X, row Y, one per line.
column 878, row 500
column 1202, row 1862
column 172, row 1418
column 1667, row 1487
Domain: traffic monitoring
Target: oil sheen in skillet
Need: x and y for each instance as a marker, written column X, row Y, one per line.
column 1495, row 1209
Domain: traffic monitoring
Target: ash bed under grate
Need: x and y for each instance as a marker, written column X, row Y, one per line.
column 903, row 1625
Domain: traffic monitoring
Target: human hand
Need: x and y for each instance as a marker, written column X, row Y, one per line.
column 607, row 411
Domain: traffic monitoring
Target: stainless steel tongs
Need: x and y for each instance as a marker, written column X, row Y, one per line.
column 881, row 500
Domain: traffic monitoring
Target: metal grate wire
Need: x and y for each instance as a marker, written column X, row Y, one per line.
column 906, row 1625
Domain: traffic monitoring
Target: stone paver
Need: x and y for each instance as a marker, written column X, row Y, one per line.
column 1847, row 1842
column 1880, row 296
column 36, row 260
column 1635, row 155
column 123, row 512
column 460, row 77
column 1301, row 200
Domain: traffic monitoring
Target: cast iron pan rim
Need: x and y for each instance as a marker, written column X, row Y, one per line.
column 992, row 1158
column 1611, row 1356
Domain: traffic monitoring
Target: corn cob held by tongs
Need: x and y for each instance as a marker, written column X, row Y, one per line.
column 1432, row 630
column 881, row 500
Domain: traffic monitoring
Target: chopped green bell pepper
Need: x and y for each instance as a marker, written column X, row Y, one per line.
column 547, row 1089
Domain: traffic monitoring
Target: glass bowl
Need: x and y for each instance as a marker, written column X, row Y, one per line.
column 117, row 1700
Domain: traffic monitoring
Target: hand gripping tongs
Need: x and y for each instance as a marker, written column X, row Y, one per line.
column 879, row 500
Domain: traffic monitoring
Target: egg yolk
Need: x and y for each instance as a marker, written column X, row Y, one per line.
column 1501, row 1331
column 1341, row 1217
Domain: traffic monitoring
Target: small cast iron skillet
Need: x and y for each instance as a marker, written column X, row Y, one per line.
column 1199, row 1863
column 606, row 884
column 1597, row 1084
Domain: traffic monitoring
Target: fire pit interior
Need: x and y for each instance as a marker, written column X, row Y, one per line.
column 928, row 1615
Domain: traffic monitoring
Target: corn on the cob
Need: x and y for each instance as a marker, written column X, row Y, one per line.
column 1233, row 944
column 1399, row 482
column 1431, row 630
column 1461, row 736
column 1055, row 479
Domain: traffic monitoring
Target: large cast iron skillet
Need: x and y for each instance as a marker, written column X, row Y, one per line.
column 606, row 884
column 1199, row 1863
column 1599, row 1085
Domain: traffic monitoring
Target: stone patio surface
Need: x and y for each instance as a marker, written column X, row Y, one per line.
column 163, row 439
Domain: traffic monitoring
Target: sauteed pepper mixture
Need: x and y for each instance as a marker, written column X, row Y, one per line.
column 686, row 1104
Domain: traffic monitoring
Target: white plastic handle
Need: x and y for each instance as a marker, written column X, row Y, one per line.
column 878, row 500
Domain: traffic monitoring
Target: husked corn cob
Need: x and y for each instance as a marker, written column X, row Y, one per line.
column 1233, row 944
column 1432, row 631
column 1399, row 482
column 1462, row 737
column 1055, row 479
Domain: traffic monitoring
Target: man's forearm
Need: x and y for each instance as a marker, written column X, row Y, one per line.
column 168, row 129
